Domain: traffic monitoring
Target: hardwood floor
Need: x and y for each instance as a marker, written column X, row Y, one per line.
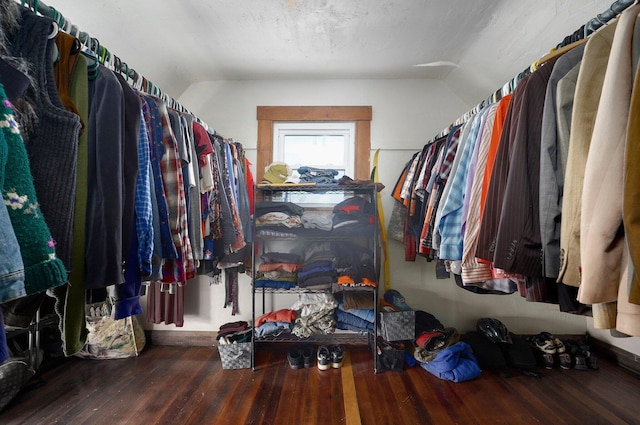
column 180, row 385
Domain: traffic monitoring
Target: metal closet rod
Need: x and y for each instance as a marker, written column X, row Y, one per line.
column 602, row 18
column 584, row 31
column 103, row 54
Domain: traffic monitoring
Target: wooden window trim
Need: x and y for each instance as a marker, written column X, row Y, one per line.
column 361, row 115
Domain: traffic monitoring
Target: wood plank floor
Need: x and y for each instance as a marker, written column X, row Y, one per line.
column 180, row 385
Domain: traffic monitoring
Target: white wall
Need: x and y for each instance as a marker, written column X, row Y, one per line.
column 406, row 114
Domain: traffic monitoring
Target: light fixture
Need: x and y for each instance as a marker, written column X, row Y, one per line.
column 437, row 63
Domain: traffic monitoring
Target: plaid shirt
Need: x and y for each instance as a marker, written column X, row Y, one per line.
column 143, row 207
column 169, row 183
column 154, row 131
column 439, row 182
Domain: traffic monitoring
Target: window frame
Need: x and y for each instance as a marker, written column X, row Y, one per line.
column 346, row 129
column 361, row 115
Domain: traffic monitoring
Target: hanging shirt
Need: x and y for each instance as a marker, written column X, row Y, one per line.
column 472, row 271
column 144, row 211
column 499, row 173
column 451, row 223
column 166, row 249
column 165, row 154
column 464, row 136
column 441, row 176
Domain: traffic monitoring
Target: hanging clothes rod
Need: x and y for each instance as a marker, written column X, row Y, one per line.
column 103, row 55
column 583, row 32
column 604, row 17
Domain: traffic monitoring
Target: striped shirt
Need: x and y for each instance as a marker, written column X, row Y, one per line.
column 450, row 225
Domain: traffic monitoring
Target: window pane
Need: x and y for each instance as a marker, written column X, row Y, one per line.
column 321, row 145
column 315, row 151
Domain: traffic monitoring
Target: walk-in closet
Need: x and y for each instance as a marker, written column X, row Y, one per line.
column 319, row 212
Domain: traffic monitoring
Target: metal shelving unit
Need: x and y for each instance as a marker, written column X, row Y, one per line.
column 313, row 198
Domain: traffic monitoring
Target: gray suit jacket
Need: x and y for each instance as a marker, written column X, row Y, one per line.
column 552, row 160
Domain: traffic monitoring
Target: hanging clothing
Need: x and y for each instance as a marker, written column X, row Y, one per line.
column 605, row 266
column 542, row 200
column 553, row 159
column 602, row 239
column 52, row 142
column 70, row 298
column 11, row 266
column 105, row 174
column 586, row 99
column 474, row 272
column 452, row 221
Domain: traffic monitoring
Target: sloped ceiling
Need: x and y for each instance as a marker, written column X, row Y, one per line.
column 477, row 45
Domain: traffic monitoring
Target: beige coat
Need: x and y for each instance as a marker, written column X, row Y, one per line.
column 585, row 106
column 603, row 249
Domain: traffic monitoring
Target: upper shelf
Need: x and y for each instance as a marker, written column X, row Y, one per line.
column 312, row 187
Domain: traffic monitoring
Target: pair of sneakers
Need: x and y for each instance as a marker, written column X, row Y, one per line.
column 550, row 351
column 584, row 359
column 301, row 356
column 329, row 357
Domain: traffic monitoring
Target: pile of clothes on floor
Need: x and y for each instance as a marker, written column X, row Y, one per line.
column 435, row 348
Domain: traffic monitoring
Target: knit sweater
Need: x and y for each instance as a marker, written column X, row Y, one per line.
column 11, row 267
column 52, row 142
column 43, row 270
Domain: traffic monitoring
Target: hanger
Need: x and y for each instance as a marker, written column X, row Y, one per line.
column 33, row 5
column 554, row 53
column 601, row 19
column 93, row 61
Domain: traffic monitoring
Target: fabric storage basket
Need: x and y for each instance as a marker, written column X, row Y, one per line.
column 235, row 356
column 398, row 325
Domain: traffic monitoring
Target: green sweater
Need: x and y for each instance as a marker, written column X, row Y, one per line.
column 43, row 270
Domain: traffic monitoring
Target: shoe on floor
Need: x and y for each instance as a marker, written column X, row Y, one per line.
column 564, row 360
column 544, row 342
column 581, row 362
column 544, row 349
column 579, row 357
column 324, row 358
column 563, row 357
column 337, row 356
column 294, row 356
column 592, row 359
column 308, row 354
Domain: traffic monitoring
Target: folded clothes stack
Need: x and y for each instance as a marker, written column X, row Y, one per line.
column 234, row 332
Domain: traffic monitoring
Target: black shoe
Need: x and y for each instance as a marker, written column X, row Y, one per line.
column 308, row 354
column 324, row 358
column 592, row 359
column 337, row 356
column 295, row 358
column 579, row 358
column 564, row 360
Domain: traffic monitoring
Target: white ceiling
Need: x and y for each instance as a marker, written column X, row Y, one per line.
column 176, row 43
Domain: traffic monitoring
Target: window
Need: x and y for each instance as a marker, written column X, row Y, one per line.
column 358, row 116
column 327, row 145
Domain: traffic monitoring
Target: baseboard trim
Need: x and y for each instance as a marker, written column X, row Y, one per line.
column 615, row 354
column 181, row 338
